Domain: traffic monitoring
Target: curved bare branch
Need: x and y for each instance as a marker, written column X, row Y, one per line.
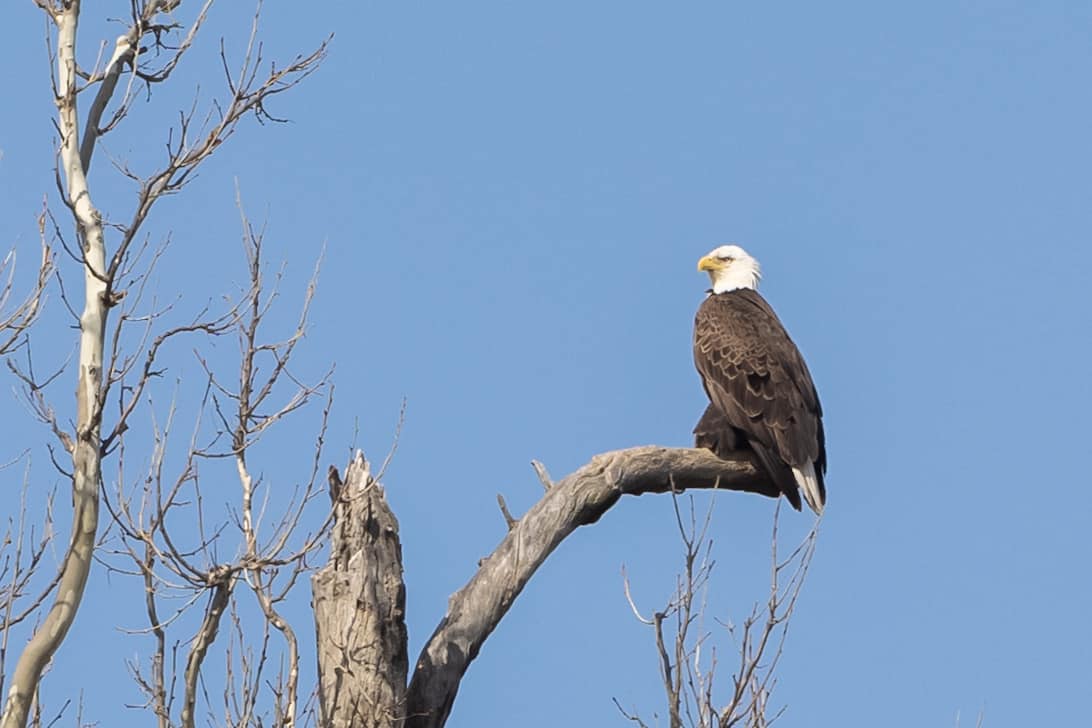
column 577, row 500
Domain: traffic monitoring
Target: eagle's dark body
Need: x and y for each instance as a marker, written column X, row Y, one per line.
column 761, row 396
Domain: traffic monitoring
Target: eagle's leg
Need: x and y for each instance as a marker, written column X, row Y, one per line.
column 714, row 433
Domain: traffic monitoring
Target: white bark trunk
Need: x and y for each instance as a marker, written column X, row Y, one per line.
column 87, row 471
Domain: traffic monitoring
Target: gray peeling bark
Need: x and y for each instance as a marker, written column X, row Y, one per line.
column 359, row 598
column 359, row 605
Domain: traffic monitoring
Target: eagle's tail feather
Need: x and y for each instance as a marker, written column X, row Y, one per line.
column 779, row 473
column 811, row 486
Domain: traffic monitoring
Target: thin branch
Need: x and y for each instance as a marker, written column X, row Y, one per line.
column 629, row 600
column 394, row 443
column 15, row 322
column 504, row 512
column 543, row 474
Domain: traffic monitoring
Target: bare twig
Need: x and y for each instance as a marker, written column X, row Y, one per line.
column 504, row 512
column 688, row 670
column 270, row 563
column 15, row 322
column 543, row 474
column 394, row 443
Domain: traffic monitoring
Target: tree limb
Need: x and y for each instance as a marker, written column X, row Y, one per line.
column 579, row 499
column 210, row 627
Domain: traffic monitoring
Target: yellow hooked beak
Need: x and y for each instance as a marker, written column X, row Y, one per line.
column 710, row 263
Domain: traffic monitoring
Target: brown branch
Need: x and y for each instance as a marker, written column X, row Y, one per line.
column 47, row 8
column 221, row 595
column 287, row 695
column 577, row 500
column 158, row 687
column 671, row 687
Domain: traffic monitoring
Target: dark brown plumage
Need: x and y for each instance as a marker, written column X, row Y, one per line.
column 761, row 394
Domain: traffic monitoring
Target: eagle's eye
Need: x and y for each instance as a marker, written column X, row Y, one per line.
column 726, row 258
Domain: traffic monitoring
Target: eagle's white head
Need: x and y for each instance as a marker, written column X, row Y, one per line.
column 730, row 268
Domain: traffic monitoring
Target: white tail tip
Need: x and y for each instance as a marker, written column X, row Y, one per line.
column 809, row 486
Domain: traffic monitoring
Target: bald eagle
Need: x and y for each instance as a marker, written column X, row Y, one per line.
column 761, row 397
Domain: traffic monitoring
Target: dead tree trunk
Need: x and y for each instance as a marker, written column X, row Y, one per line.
column 359, row 604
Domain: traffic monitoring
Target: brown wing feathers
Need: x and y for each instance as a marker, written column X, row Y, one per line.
column 758, row 385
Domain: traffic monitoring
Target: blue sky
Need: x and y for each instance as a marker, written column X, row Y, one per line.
column 512, row 200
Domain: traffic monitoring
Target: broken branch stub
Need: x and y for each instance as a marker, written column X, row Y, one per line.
column 360, row 604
